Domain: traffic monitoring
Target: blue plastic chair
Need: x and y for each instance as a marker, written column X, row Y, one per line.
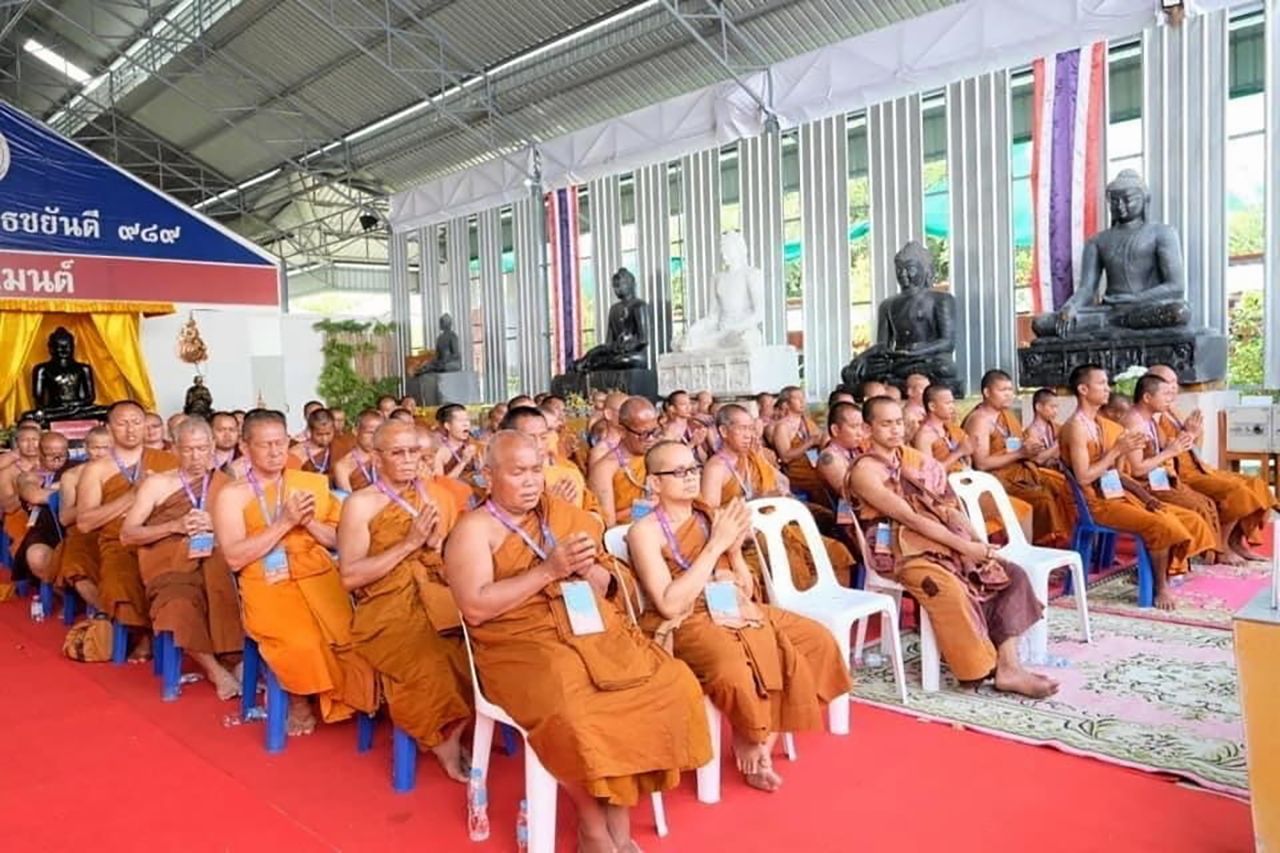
column 277, row 711
column 1096, row 544
column 168, row 656
column 119, row 643
column 404, row 752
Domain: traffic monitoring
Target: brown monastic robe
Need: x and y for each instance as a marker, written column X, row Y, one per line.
column 610, row 712
column 1045, row 492
column 124, row 598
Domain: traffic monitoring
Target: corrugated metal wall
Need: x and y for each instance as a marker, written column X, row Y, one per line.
column 760, row 168
column 824, row 199
column 653, row 237
column 701, row 205
column 895, row 136
column 531, row 285
column 493, row 306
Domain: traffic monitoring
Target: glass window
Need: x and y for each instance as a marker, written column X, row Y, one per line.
column 730, row 190
column 477, row 306
column 586, row 269
column 1021, row 94
column 937, row 191
column 1124, row 100
column 862, row 333
column 793, row 240
column 1246, row 153
column 511, row 298
column 675, row 176
column 629, row 232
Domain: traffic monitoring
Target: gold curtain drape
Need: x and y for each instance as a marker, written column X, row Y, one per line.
column 107, row 340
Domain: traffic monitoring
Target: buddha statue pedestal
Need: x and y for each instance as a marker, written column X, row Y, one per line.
column 637, row 381
column 729, row 373
column 1197, row 355
column 437, row 389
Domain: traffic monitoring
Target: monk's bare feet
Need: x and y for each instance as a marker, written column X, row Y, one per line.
column 301, row 719
column 595, row 843
column 1025, row 683
column 1242, row 550
column 226, row 684
column 618, row 821
column 453, row 758
column 142, row 650
column 749, row 756
column 764, row 778
column 1165, row 600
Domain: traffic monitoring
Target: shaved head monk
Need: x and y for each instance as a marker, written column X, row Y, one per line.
column 617, row 477
column 25, row 458
column 1243, row 502
column 78, row 564
column 356, row 470
column 315, row 454
column 276, row 528
column 153, row 436
column 34, row 552
column 613, row 433
column 798, row 441
column 188, row 582
column 406, row 625
column 387, row 404
column 979, row 606
column 563, row 479
column 766, row 669
column 226, row 441
column 1095, row 448
column 846, row 439
column 514, row 566
column 460, row 453
column 740, row 470
column 431, row 468
column 106, row 490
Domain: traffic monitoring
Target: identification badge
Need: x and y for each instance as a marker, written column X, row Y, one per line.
column 1013, row 444
column 883, row 541
column 1111, row 485
column 199, row 545
column 275, row 565
column 33, row 517
column 722, row 601
column 480, row 481
column 580, row 603
column 812, row 455
column 844, row 512
column 640, row 508
column 1158, row 479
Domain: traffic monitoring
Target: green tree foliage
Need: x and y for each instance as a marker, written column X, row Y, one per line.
column 1244, row 358
column 339, row 385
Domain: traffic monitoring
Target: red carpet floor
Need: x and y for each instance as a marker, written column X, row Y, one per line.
column 94, row 760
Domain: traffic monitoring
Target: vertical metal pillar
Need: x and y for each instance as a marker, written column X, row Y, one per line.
column 760, row 165
column 824, row 199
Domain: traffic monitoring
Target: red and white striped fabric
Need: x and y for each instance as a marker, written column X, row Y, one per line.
column 562, row 277
column 1066, row 167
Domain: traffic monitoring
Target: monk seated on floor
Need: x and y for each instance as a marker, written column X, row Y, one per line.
column 918, row 535
column 1094, row 448
column 766, row 669
column 106, row 490
column 276, row 528
column 609, row 714
column 1243, row 502
column 406, row 625
column 187, row 580
column 356, row 470
column 617, row 477
column 34, row 553
column 740, row 470
column 77, row 562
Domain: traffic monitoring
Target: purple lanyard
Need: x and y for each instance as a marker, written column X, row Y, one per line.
column 322, row 466
column 46, row 480
column 1155, row 435
column 401, row 502
column 462, row 466
column 262, row 497
column 225, row 462
column 130, row 474
column 370, row 473
column 548, row 538
column 617, row 454
column 1095, row 432
column 1001, row 426
column 204, row 491
column 681, row 560
column 747, row 491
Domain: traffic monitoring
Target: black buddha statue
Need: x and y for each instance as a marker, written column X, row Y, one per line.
column 62, row 387
column 915, row 329
column 448, row 351
column 1143, row 286
column 627, row 343
column 199, row 400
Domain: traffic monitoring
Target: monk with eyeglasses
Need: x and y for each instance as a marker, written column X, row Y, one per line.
column 617, row 476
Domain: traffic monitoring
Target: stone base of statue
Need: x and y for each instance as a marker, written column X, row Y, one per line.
column 729, row 373
column 437, row 389
column 640, row 382
column 95, row 415
column 1196, row 355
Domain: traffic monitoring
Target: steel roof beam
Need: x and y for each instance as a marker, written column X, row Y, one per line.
column 724, row 39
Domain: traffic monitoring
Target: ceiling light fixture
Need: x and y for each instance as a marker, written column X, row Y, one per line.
column 56, row 61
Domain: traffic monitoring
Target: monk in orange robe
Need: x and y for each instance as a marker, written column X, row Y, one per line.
column 26, row 458
column 563, row 479
column 609, row 714
column 605, row 428
column 406, row 625
column 276, row 528
column 226, row 441
column 355, row 470
column 34, row 555
column 188, row 582
column 846, row 441
column 617, row 477
column 1243, row 502
column 739, row 471
column 460, row 454
column 978, row 605
column 314, row 454
column 1094, row 448
column 106, row 490
column 77, row 556
column 797, row 441
column 1018, row 462
column 568, row 446
column 768, row 670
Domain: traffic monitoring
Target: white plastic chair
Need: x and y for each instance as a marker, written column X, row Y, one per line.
column 708, row 775
column 930, row 656
column 539, row 785
column 835, row 606
column 1036, row 561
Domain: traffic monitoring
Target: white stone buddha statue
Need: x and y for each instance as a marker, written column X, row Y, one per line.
column 737, row 310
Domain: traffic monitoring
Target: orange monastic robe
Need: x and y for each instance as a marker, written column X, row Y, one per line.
column 1043, row 490
column 1180, row 494
column 193, row 598
column 1161, row 530
column 803, row 474
column 558, row 471
column 463, row 495
column 610, row 712
column 303, row 624
column 407, row 627
column 774, row 673
column 628, row 486
column 124, row 598
column 1241, row 499
column 942, row 448
column 756, row 478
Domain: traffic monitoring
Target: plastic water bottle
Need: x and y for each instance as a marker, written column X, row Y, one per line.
column 522, row 827
column 477, row 806
column 37, row 609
